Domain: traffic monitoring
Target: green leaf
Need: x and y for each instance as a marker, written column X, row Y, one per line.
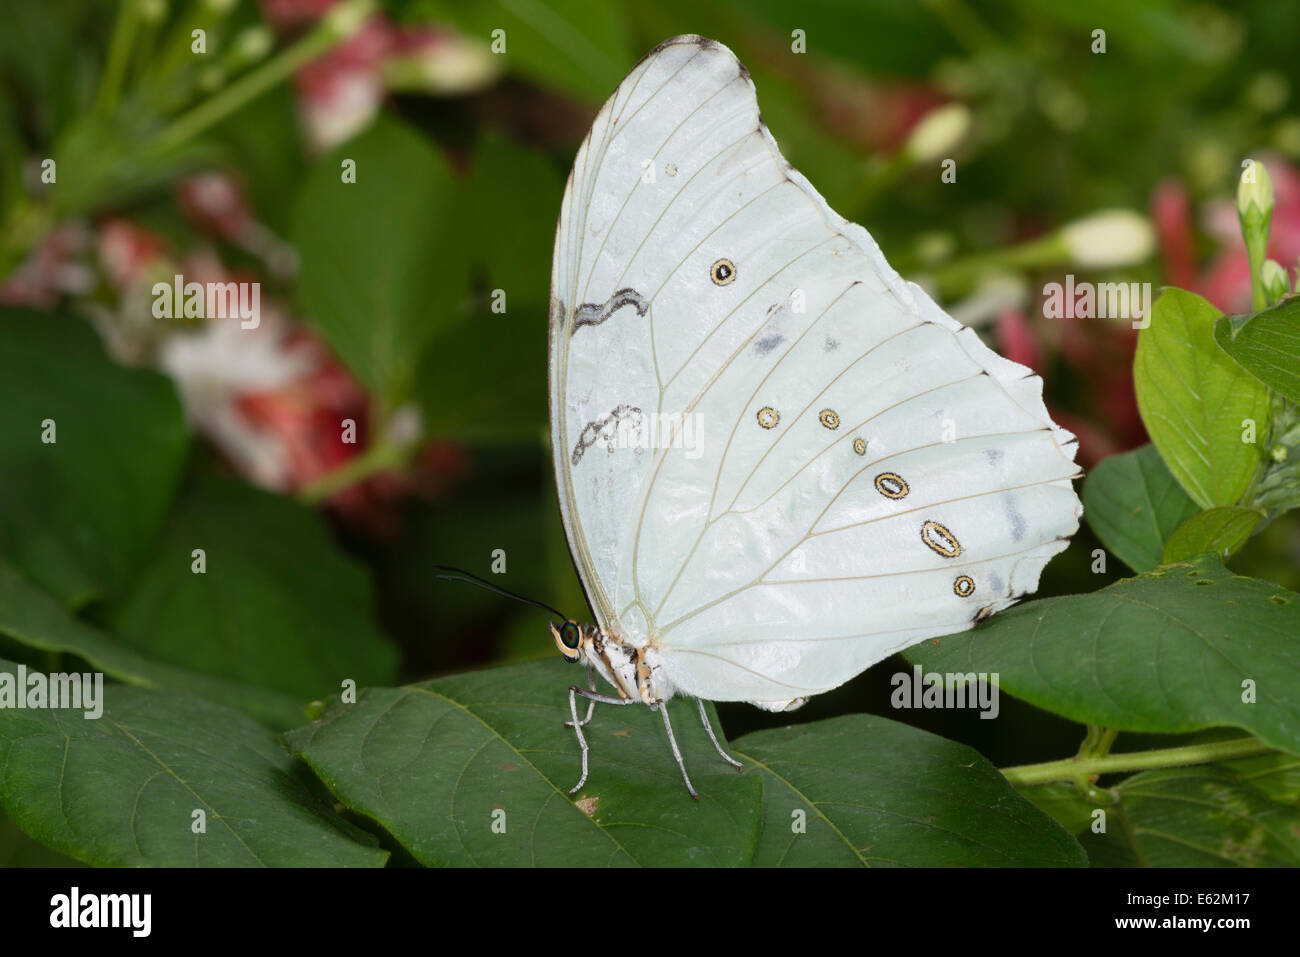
column 1207, row 816
column 1134, row 504
column 886, row 794
column 1167, row 651
column 383, row 265
column 485, row 382
column 436, row 764
column 1064, row 802
column 1219, row 530
column 1267, row 345
column 1195, row 401
column 76, row 513
column 19, row 850
column 510, row 204
column 121, row 790
column 277, row 606
column 573, row 46
column 33, row 618
column 1276, row 775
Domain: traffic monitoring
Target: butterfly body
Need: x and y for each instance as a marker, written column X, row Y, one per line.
column 777, row 461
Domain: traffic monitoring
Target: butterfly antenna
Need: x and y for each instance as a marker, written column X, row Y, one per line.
column 460, row 575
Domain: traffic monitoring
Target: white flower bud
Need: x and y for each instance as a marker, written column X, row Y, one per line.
column 1113, row 237
column 254, row 43
column 1274, row 279
column 1255, row 187
column 938, row 133
column 343, row 19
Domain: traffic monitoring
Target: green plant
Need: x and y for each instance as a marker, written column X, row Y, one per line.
column 1182, row 678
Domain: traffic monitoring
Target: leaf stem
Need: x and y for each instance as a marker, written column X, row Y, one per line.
column 1070, row 769
column 338, row 25
column 119, row 55
column 380, row 457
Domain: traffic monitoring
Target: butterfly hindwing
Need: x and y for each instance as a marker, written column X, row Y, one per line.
column 778, row 462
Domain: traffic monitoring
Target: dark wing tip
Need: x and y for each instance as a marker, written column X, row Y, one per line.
column 704, row 43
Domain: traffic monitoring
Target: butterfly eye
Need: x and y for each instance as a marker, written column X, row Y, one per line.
column 723, row 272
column 568, row 638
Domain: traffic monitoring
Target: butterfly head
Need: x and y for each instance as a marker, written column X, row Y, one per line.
column 570, row 639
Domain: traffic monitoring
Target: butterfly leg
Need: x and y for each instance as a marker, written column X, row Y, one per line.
column 672, row 742
column 591, row 696
column 591, row 704
column 704, row 718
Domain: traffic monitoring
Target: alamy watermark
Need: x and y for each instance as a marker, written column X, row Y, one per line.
column 627, row 427
column 921, row 689
column 37, row 690
column 208, row 300
column 1107, row 300
column 133, row 912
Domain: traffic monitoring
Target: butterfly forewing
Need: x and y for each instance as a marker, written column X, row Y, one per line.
column 777, row 461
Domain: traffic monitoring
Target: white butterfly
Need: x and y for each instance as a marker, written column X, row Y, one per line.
column 777, row 462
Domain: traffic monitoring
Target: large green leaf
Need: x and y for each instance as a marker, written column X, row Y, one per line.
column 1134, row 504
column 437, row 764
column 485, row 382
column 1267, row 345
column 885, row 794
column 510, row 204
column 1196, row 402
column 121, row 790
column 277, row 606
column 1204, row 816
column 1167, row 651
column 1218, row 530
column 1277, row 775
column 1064, row 802
column 76, row 513
column 17, row 849
column 383, row 261
column 33, row 618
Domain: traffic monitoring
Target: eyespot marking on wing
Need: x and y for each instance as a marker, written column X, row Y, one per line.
column 964, row 586
column 940, row 540
column 860, row 446
column 829, row 418
column 594, row 313
column 723, row 272
column 768, row 417
column 891, row 485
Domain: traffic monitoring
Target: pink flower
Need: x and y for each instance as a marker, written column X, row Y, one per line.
column 340, row 92
column 215, row 202
column 288, row 14
column 1016, row 339
column 126, row 251
column 53, row 269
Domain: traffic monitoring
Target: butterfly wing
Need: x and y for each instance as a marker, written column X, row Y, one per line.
column 830, row 468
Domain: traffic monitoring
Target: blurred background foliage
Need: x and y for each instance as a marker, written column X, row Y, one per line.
column 381, row 299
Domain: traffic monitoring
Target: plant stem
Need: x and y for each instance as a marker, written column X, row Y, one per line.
column 119, row 55
column 1070, row 769
column 327, row 33
column 380, row 457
